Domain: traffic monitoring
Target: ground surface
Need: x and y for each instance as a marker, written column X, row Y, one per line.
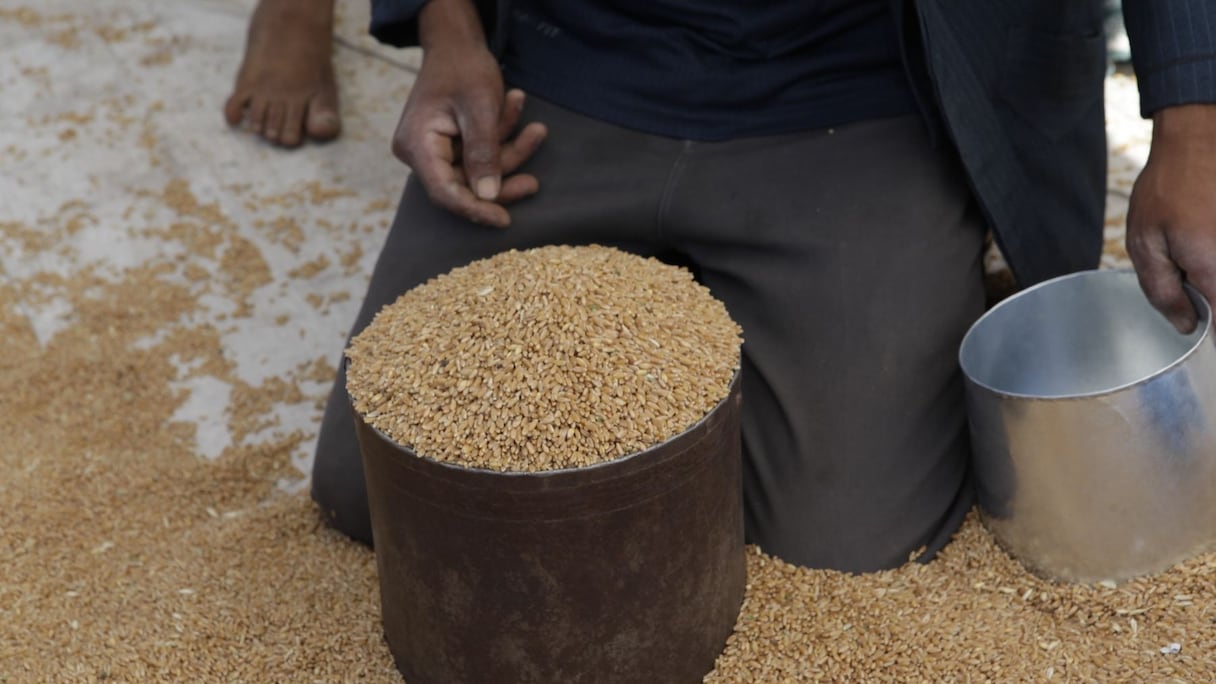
column 173, row 296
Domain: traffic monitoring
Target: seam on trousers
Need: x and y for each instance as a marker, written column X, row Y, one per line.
column 669, row 188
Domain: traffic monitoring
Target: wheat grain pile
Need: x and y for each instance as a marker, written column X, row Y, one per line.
column 556, row 357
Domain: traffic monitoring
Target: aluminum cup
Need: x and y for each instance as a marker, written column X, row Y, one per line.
column 1093, row 426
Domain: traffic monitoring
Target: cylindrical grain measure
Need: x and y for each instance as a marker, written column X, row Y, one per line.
column 631, row 570
column 1093, row 426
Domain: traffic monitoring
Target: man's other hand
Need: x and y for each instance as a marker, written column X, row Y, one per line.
column 1171, row 221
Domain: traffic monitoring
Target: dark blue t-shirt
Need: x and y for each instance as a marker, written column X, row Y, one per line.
column 711, row 70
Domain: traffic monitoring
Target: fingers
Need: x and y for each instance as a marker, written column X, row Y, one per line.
column 1195, row 257
column 512, row 108
column 1205, row 283
column 1160, row 277
column 433, row 162
column 478, row 124
column 512, row 155
column 1163, row 287
column 456, row 197
column 519, row 150
column 517, row 187
column 460, row 154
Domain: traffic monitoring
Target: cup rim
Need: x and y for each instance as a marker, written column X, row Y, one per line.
column 1203, row 307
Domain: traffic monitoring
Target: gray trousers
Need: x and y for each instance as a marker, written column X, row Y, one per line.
column 850, row 256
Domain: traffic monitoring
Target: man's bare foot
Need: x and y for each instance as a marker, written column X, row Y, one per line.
column 285, row 89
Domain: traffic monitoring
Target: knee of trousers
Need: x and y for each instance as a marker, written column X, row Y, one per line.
column 861, row 477
column 879, row 527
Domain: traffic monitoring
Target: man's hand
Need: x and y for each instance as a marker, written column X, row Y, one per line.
column 456, row 130
column 1171, row 222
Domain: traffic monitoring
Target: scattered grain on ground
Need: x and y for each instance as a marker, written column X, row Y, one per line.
column 971, row 615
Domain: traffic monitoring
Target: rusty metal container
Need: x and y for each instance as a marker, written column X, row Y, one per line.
column 627, row 571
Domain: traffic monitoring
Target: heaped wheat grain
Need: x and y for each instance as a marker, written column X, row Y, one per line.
column 555, row 357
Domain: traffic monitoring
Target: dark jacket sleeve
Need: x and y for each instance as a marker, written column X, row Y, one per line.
column 395, row 22
column 1173, row 50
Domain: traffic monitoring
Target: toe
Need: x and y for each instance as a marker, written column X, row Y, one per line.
column 324, row 123
column 293, row 125
column 273, row 128
column 234, row 108
column 255, row 118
